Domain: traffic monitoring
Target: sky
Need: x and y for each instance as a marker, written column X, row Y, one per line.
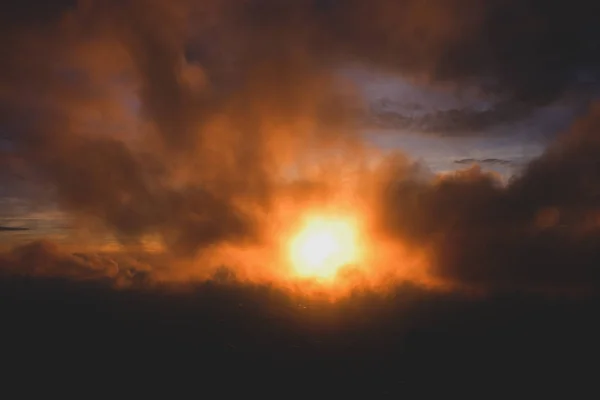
column 201, row 132
column 356, row 190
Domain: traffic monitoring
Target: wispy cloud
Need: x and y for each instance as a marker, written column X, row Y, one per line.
column 12, row 229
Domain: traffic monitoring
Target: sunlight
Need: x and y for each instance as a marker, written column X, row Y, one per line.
column 323, row 246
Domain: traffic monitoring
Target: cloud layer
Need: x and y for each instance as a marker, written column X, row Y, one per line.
column 540, row 230
column 183, row 119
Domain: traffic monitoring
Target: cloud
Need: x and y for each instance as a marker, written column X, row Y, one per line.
column 45, row 259
column 539, row 231
column 12, row 229
column 454, row 122
column 177, row 120
column 488, row 161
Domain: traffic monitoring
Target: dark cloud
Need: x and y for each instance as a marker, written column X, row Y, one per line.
column 455, row 122
column 529, row 51
column 104, row 179
column 12, row 229
column 484, row 161
column 539, row 231
column 30, row 12
column 51, row 83
column 523, row 53
column 45, row 259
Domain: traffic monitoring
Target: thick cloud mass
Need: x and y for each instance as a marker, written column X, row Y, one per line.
column 175, row 119
column 47, row 260
column 542, row 230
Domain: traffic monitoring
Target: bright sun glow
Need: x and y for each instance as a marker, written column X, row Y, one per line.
column 323, row 246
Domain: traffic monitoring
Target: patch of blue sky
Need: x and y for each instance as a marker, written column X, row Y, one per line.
column 512, row 145
column 375, row 86
column 443, row 154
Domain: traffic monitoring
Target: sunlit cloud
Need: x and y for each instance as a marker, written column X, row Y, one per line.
column 204, row 134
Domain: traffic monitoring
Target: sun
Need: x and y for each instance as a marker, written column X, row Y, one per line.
column 323, row 246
